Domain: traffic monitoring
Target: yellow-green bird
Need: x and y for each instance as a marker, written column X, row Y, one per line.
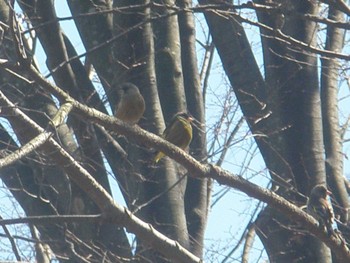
column 131, row 105
column 178, row 132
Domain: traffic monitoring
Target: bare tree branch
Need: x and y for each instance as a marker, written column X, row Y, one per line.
column 111, row 210
column 36, row 142
column 196, row 169
column 12, row 241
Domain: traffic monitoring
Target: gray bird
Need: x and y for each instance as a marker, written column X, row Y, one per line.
column 131, row 105
column 319, row 207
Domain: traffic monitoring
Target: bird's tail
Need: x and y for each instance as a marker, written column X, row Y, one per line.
column 159, row 156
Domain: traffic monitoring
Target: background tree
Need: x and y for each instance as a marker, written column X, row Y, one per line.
column 290, row 107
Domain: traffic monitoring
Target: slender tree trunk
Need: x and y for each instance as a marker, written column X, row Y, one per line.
column 197, row 190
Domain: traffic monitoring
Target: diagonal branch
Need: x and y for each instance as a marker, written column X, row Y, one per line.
column 122, row 216
column 195, row 169
column 12, row 241
column 36, row 142
column 113, row 212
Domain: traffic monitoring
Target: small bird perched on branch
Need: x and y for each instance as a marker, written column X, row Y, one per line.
column 319, row 207
column 178, row 132
column 131, row 105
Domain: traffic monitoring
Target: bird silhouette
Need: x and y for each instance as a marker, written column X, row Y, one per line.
column 131, row 105
column 178, row 132
column 319, row 207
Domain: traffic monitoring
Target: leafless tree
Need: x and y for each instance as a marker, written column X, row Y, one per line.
column 61, row 147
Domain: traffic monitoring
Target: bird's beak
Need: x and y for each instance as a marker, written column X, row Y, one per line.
column 329, row 192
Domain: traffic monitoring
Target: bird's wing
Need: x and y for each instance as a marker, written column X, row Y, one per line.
column 177, row 132
column 324, row 210
column 169, row 127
